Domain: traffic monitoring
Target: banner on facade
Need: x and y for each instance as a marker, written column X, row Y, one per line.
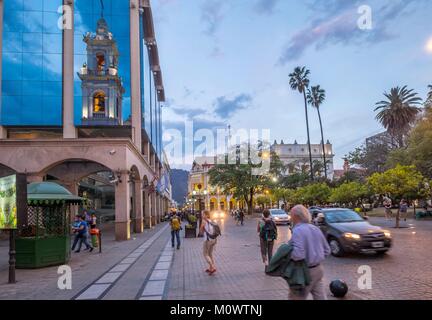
column 8, row 202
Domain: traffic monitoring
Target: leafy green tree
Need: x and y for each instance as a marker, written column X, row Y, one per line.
column 349, row 193
column 313, row 194
column 316, row 97
column 399, row 182
column 237, row 177
column 299, row 80
column 398, row 112
column 372, row 157
column 295, row 180
column 263, row 201
column 419, row 148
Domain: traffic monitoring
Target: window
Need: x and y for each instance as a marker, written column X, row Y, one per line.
column 99, row 102
column 100, row 59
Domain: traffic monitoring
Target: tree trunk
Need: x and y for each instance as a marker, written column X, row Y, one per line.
column 322, row 143
column 398, row 218
column 308, row 135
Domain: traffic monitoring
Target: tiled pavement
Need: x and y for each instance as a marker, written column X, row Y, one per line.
column 88, row 268
column 147, row 268
column 404, row 273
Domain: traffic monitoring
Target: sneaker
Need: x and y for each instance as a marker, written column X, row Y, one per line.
column 178, row 248
column 77, row 251
column 91, row 249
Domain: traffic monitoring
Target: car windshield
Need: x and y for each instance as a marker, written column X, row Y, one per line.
column 277, row 212
column 342, row 216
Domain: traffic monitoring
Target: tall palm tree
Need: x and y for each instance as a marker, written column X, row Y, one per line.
column 398, row 112
column 299, row 80
column 428, row 102
column 316, row 97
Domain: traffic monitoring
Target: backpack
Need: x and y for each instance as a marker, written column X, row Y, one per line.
column 268, row 231
column 175, row 224
column 216, row 231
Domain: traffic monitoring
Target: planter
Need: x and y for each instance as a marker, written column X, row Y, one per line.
column 190, row 233
column 32, row 253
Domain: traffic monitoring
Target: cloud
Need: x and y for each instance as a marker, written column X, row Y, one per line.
column 265, row 6
column 225, row 107
column 335, row 22
column 212, row 15
column 189, row 113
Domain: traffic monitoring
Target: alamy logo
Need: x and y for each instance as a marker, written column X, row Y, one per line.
column 65, row 21
column 64, row 282
column 365, row 22
column 365, row 280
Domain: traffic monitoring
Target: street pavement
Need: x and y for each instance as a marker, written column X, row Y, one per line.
column 147, row 268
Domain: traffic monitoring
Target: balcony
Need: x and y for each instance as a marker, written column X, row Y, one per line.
column 100, row 119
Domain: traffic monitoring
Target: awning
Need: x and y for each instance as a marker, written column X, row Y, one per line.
column 50, row 193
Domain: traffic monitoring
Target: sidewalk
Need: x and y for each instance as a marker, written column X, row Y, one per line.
column 240, row 271
column 86, row 268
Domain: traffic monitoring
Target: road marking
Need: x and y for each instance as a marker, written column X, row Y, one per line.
column 155, row 286
column 104, row 283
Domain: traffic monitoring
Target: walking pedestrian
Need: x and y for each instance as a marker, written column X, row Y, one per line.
column 82, row 231
column 267, row 231
column 93, row 221
column 387, row 208
column 210, row 233
column 241, row 216
column 175, row 230
column 403, row 208
column 309, row 245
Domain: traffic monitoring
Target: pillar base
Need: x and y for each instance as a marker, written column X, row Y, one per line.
column 122, row 231
column 139, row 225
column 3, row 133
column 147, row 223
column 153, row 220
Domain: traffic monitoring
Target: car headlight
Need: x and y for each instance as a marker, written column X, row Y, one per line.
column 276, row 218
column 387, row 234
column 352, row 236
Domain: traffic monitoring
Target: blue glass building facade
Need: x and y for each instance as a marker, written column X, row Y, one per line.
column 32, row 66
column 31, row 91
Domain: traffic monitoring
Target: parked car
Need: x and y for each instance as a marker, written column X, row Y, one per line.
column 346, row 231
column 279, row 216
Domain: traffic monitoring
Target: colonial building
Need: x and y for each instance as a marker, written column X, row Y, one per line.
column 296, row 156
column 66, row 93
column 201, row 194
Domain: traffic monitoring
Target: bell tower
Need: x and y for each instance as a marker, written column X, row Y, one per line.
column 102, row 88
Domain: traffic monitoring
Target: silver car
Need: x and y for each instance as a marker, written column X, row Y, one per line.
column 279, row 216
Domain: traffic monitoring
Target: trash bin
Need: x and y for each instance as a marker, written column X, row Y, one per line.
column 94, row 233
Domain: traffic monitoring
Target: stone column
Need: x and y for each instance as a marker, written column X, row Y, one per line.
column 122, row 208
column 138, row 202
column 135, row 74
column 147, row 210
column 158, row 213
column 153, row 208
column 69, row 130
column 3, row 131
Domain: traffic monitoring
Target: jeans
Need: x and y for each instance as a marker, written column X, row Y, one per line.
column 82, row 238
column 176, row 234
column 266, row 250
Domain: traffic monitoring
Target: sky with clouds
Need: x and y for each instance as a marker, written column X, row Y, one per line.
column 226, row 62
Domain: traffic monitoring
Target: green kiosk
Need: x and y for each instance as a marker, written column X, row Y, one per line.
column 44, row 237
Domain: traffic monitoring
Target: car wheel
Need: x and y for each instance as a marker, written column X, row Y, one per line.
column 336, row 248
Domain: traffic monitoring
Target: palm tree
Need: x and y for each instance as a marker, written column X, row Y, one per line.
column 428, row 102
column 398, row 112
column 316, row 97
column 299, row 81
